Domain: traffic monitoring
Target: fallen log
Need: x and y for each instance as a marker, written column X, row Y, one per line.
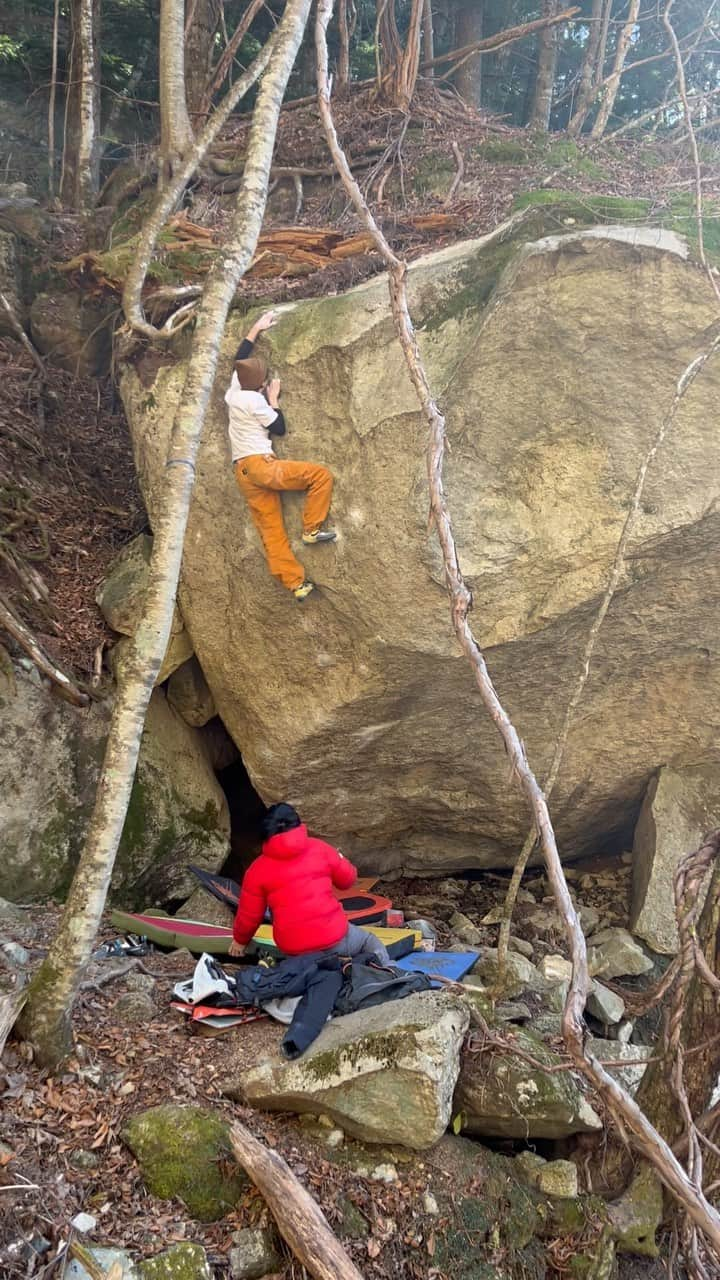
column 300, row 1221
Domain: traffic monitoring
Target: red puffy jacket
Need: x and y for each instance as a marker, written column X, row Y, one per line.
column 294, row 877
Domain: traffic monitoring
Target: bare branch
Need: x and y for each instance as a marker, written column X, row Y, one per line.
column 27, row 641
column 171, row 192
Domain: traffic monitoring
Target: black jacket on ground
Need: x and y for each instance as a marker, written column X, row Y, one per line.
column 326, row 984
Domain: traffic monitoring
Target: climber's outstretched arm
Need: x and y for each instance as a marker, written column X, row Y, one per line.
column 266, row 321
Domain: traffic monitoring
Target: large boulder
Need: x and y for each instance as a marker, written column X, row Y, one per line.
column 49, row 763
column 385, row 1074
column 503, row 1095
column 680, row 807
column 555, row 362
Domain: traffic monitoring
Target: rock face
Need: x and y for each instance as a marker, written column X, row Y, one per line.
column 49, row 762
column 121, row 597
column 385, row 1074
column 554, row 362
column 186, row 1152
column 188, row 693
column 10, row 281
column 73, row 331
column 680, row 807
column 501, row 1096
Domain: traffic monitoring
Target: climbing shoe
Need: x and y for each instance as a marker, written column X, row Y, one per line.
column 319, row 535
column 303, row 591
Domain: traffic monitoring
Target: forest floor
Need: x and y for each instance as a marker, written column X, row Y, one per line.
column 60, row 1136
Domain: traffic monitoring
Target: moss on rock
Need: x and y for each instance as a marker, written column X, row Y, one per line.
column 184, row 1152
column 183, row 1261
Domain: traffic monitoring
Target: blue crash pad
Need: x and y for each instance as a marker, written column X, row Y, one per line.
column 448, row 964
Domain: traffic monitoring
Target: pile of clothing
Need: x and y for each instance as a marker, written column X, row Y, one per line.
column 302, row 991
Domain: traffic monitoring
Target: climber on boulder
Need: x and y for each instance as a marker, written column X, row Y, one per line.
column 255, row 417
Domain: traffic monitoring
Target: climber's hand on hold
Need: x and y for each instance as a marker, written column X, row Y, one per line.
column 273, row 392
column 266, row 321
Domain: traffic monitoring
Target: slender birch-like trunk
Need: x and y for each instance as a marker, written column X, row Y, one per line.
column 46, row 1019
column 81, row 144
column 176, row 134
column 51, row 101
column 609, row 91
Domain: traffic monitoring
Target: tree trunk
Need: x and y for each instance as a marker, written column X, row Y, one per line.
column 46, row 1020
column 51, row 101
column 176, row 135
column 609, row 91
column 428, row 34
column 226, row 58
column 545, row 78
column 468, row 29
column 347, row 21
column 589, row 76
column 80, row 179
column 399, row 65
column 198, row 54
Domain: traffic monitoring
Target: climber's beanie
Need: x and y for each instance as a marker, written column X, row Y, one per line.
column 252, row 373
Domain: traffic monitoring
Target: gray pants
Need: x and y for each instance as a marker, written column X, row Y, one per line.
column 359, row 943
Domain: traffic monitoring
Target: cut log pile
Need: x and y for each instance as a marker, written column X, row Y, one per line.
column 282, row 252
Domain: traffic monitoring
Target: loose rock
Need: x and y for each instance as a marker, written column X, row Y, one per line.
column 501, row 1095
column 613, row 953
column 464, row 929
column 680, row 806
column 105, row 1258
column 385, row 1074
column 556, row 969
column 604, row 1004
column 135, row 1007
column 615, row 1051
column 558, row 1178
column 182, row 1261
column 255, row 1253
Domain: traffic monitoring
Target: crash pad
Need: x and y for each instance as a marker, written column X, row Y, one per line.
column 173, row 931
column 446, row 964
column 202, row 1012
column 359, row 904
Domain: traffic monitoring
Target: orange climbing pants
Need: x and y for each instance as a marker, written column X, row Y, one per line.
column 262, row 478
